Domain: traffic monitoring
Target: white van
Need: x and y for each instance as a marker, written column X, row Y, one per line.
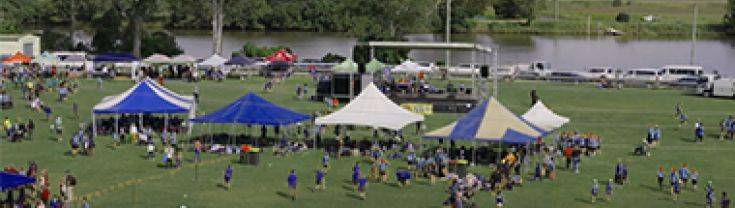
column 603, row 72
column 671, row 73
column 504, row 72
column 723, row 87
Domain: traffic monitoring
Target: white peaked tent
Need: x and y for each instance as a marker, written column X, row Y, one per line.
column 371, row 108
column 542, row 117
column 409, row 66
column 214, row 61
column 157, row 59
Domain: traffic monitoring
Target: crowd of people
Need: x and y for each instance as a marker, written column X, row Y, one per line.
column 39, row 193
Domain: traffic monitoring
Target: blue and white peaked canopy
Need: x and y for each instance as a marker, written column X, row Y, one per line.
column 252, row 109
column 489, row 122
column 145, row 97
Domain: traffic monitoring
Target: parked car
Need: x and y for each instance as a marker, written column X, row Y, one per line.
column 594, row 73
column 641, row 77
column 464, row 69
column 503, row 72
column 567, row 76
column 527, row 75
column 688, row 82
column 671, row 73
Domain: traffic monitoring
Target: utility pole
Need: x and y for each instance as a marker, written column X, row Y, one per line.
column 556, row 10
column 694, row 34
column 448, row 37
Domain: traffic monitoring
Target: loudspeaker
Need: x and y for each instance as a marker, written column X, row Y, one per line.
column 484, row 71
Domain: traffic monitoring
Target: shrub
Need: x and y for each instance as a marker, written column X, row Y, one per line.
column 622, row 17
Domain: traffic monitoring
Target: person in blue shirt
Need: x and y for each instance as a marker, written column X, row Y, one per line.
column 675, row 190
column 292, row 182
column 660, row 177
column 595, row 190
column 683, row 119
column 362, row 186
column 228, row 176
column 684, row 175
column 698, row 132
column 609, row 189
column 654, row 134
column 383, row 168
column 620, row 172
column 673, row 178
column 499, row 199
column 320, row 180
column 537, row 173
column 355, row 173
column 710, row 196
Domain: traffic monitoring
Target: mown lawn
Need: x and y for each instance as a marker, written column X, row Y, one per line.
column 122, row 178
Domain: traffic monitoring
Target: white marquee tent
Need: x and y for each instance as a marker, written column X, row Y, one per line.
column 371, row 108
column 214, row 61
column 542, row 117
column 410, row 67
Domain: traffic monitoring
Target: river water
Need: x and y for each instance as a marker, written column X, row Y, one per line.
column 563, row 52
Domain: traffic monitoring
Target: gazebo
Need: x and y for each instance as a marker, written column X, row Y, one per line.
column 145, row 97
column 17, row 58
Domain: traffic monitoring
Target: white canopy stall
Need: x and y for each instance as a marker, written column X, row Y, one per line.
column 371, row 108
column 542, row 117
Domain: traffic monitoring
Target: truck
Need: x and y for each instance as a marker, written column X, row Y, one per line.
column 723, row 87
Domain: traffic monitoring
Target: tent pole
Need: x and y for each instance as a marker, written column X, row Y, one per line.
column 474, row 153
column 165, row 121
column 94, row 126
column 140, row 121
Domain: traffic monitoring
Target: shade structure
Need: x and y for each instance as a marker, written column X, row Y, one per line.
column 409, row 66
column 489, row 122
column 46, row 59
column 183, row 59
column 374, row 66
column 145, row 97
column 10, row 181
column 214, row 61
column 371, row 108
column 157, row 59
column 17, row 58
column 116, row 58
column 282, row 56
column 254, row 110
column 346, row 66
column 240, row 61
column 542, row 117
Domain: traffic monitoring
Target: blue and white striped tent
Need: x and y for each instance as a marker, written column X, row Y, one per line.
column 489, row 121
column 145, row 97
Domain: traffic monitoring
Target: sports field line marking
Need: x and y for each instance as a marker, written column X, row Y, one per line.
column 693, row 147
column 123, row 184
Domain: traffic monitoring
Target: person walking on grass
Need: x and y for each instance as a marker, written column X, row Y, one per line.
column 151, row 151
column 678, row 110
column 660, row 177
column 355, row 174
column 320, row 180
column 595, row 190
column 725, row 201
column 609, row 189
column 325, row 161
column 197, row 151
column 292, row 183
column 698, row 132
column 228, row 177
column 676, row 190
column 683, row 119
column 694, row 176
column 654, row 134
column 710, row 196
column 499, row 199
column 684, row 175
column 362, row 183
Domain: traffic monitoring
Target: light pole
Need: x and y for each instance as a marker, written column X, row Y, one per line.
column 448, row 38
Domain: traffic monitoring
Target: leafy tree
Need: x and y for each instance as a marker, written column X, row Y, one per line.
column 622, row 17
column 515, row 8
column 729, row 20
column 252, row 50
column 55, row 41
column 160, row 42
column 108, row 34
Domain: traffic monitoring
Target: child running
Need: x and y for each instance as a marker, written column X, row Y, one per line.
column 499, row 199
column 660, row 177
column 362, row 186
column 228, row 176
column 320, row 181
column 684, row 175
column 292, row 182
column 355, row 174
column 710, row 197
column 609, row 189
column 694, row 176
column 595, row 190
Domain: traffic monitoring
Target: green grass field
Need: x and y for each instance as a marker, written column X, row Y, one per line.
column 122, row 178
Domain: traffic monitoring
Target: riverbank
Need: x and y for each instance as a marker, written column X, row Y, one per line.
column 582, row 17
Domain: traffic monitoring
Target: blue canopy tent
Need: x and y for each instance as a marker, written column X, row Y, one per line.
column 240, row 61
column 146, row 97
column 252, row 110
column 10, row 181
column 489, row 121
